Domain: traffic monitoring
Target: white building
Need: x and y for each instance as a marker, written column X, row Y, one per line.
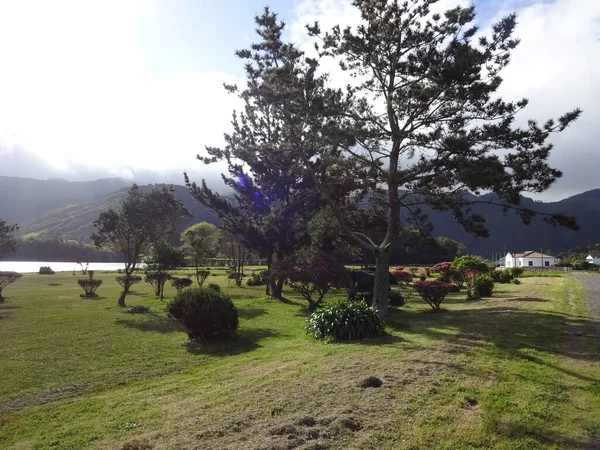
column 594, row 259
column 529, row 259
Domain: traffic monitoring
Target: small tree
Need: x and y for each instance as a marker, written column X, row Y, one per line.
column 433, row 292
column 122, row 280
column 234, row 249
column 311, row 275
column 8, row 241
column 201, row 276
column 83, row 268
column 181, row 283
column 143, row 219
column 90, row 285
column 201, row 241
column 7, row 278
column 430, row 125
column 162, row 261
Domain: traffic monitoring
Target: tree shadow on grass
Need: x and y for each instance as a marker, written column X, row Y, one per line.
column 512, row 331
column 151, row 322
column 96, row 297
column 5, row 307
column 528, row 299
column 138, row 294
column 287, row 301
column 6, row 311
column 243, row 341
column 250, row 312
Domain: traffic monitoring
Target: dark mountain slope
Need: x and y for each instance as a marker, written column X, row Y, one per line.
column 25, row 199
column 57, row 208
column 76, row 221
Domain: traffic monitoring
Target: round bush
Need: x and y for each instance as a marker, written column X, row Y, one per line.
column 206, row 313
column 344, row 320
column 214, row 287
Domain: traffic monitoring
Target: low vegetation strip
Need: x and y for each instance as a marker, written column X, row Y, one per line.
column 516, row 370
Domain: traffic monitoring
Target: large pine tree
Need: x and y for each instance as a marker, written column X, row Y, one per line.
column 430, row 124
column 287, row 117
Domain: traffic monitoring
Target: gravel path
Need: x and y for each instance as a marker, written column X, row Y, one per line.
column 591, row 285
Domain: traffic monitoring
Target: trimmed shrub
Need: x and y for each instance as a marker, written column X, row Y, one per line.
column 311, row 275
column 468, row 263
column 516, row 272
column 422, row 276
column 402, row 276
column 396, row 298
column 89, row 286
column 344, row 320
column 157, row 280
column 214, row 287
column 7, row 278
column 181, row 283
column 206, row 313
column 133, row 279
column 484, row 285
column 433, row 292
column 427, row 271
column 516, row 281
column 46, row 270
column 455, row 288
column 201, row 276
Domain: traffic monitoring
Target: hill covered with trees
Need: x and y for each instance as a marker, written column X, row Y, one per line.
column 58, row 209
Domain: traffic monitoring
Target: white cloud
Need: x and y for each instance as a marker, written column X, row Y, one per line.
column 556, row 66
column 76, row 89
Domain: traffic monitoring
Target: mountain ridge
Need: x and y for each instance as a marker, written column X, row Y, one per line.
column 65, row 209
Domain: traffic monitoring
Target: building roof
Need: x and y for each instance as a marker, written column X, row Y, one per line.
column 531, row 254
column 594, row 255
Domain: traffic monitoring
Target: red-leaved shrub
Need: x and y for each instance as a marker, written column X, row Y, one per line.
column 433, row 292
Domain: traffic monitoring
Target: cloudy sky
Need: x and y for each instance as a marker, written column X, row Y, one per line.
column 134, row 88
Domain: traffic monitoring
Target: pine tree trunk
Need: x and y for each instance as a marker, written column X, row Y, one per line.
column 382, row 282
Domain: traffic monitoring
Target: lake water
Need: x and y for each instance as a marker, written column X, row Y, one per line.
column 34, row 266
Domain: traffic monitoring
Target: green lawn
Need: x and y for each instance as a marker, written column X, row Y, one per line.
column 506, row 372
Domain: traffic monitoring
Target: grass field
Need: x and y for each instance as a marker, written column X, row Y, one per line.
column 507, row 372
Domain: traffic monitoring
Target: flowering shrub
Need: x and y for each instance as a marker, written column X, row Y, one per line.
column 444, row 269
column 433, row 292
column 471, row 279
column 402, row 276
